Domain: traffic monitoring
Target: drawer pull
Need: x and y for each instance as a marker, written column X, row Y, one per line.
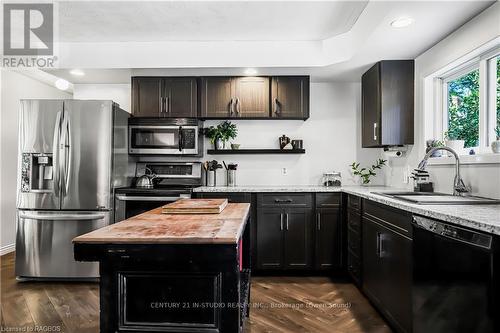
column 116, row 250
column 283, row 200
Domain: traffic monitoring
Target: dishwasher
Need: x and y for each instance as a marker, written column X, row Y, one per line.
column 455, row 279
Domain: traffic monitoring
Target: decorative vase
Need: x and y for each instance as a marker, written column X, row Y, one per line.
column 219, row 144
column 456, row 145
column 495, row 146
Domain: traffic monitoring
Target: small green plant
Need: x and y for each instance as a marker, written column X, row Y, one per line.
column 225, row 131
column 365, row 173
column 450, row 136
column 433, row 144
column 497, row 132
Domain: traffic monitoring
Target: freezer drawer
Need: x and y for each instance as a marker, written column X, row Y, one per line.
column 44, row 246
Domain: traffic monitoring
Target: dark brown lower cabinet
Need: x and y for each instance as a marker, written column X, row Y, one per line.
column 284, row 238
column 328, row 239
column 270, row 238
column 297, row 235
column 387, row 272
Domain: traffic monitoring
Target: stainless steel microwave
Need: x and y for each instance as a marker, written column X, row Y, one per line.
column 165, row 136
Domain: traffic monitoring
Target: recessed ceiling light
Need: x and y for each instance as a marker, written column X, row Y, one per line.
column 402, row 22
column 250, row 71
column 62, row 84
column 77, row 72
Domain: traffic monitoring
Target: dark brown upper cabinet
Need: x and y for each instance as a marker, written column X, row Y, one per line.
column 235, row 97
column 387, row 90
column 216, row 97
column 181, row 97
column 221, row 97
column 174, row 97
column 290, row 97
column 146, row 96
column 252, row 97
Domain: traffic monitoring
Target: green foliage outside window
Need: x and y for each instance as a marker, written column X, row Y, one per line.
column 463, row 109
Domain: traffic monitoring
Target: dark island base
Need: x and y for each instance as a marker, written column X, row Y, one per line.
column 171, row 288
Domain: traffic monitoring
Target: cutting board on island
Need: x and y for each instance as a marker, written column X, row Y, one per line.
column 195, row 206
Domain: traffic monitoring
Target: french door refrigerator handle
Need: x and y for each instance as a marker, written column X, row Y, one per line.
column 69, row 148
column 55, row 153
column 66, row 152
column 59, row 217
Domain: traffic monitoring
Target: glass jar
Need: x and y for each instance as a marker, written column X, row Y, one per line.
column 332, row 179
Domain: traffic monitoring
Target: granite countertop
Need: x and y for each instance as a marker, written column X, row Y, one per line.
column 268, row 188
column 153, row 227
column 479, row 217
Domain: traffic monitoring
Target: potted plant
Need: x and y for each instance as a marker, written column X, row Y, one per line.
column 433, row 144
column 364, row 173
column 495, row 145
column 220, row 134
column 451, row 141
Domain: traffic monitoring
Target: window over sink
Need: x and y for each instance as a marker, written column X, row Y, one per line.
column 469, row 96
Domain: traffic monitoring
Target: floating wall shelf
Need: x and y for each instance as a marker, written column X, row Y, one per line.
column 254, row 151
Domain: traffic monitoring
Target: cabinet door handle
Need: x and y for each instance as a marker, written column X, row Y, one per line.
column 281, row 221
column 378, row 245
column 238, row 106
column 161, row 105
column 375, row 131
column 167, row 105
column 319, row 221
column 277, row 109
column 286, row 216
column 231, row 106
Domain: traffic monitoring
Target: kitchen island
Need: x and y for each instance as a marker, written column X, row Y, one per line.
column 172, row 273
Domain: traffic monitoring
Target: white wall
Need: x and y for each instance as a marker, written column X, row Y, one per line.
column 330, row 138
column 14, row 86
column 119, row 93
column 484, row 178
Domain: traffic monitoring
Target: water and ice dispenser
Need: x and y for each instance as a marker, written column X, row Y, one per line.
column 37, row 173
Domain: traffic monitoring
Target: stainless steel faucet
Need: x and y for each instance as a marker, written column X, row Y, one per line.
column 459, row 187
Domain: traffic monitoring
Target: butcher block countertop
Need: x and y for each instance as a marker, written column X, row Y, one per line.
column 153, row 227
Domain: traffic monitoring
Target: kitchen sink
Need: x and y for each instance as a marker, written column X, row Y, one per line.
column 435, row 198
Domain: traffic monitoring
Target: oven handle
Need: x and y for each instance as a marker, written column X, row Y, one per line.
column 142, row 198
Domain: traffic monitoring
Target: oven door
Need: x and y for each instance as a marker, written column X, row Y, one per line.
column 128, row 205
column 163, row 140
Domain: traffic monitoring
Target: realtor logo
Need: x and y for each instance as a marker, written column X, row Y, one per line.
column 28, row 29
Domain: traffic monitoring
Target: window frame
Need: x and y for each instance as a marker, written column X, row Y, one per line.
column 486, row 63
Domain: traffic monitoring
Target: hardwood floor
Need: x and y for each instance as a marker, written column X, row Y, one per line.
column 279, row 304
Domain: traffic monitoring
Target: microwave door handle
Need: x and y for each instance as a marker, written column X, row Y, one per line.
column 181, row 139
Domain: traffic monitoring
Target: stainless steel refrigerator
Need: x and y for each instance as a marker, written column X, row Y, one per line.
column 72, row 154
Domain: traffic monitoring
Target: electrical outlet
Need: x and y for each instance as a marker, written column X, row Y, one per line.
column 284, row 171
column 406, row 175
